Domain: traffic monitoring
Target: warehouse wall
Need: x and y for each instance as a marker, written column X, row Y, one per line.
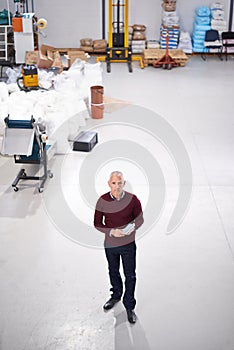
column 68, row 21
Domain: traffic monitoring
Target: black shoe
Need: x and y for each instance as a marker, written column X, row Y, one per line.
column 132, row 317
column 110, row 303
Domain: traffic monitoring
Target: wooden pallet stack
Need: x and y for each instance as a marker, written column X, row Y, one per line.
column 152, row 55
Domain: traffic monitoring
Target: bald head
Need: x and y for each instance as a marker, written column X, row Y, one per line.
column 116, row 183
column 117, row 173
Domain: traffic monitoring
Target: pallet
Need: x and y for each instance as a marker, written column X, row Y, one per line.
column 152, row 55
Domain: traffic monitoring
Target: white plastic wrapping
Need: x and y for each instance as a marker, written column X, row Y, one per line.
column 12, row 74
column 62, row 108
column 3, row 105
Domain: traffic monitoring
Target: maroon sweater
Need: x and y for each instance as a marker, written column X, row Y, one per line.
column 111, row 213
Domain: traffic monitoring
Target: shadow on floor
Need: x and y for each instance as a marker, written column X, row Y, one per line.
column 22, row 203
column 127, row 336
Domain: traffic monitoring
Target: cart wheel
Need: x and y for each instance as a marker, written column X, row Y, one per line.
column 164, row 66
column 51, row 175
column 16, row 189
column 108, row 67
column 169, row 66
column 40, row 189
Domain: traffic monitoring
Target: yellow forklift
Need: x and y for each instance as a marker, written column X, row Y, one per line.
column 118, row 48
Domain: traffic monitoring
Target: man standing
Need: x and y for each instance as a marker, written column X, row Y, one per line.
column 118, row 215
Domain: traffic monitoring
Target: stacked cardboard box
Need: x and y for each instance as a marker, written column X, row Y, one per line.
column 69, row 55
column 39, row 58
column 74, row 54
column 31, row 57
column 49, row 56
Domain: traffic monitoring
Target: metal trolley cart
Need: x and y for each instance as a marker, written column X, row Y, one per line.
column 30, row 136
column 166, row 61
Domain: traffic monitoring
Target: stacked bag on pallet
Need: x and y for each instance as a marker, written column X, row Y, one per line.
column 173, row 37
column 170, row 25
column 218, row 21
column 201, row 25
column 99, row 45
column 138, row 38
column 130, row 33
column 89, row 45
column 153, row 44
column 169, row 5
column 86, row 45
column 185, row 42
column 170, row 19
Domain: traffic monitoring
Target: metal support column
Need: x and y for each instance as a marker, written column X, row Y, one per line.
column 230, row 16
column 103, row 19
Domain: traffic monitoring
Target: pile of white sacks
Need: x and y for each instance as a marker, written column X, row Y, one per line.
column 185, row 42
column 63, row 107
column 218, row 21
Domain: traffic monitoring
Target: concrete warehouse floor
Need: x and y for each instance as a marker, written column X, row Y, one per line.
column 53, row 272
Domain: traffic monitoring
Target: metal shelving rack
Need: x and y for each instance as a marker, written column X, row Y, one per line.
column 4, row 30
column 4, row 44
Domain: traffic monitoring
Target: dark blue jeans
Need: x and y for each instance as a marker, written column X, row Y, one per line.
column 128, row 257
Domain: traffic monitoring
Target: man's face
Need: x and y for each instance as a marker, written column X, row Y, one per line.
column 116, row 184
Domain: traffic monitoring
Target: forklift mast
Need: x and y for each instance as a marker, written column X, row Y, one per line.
column 118, row 32
column 118, row 48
